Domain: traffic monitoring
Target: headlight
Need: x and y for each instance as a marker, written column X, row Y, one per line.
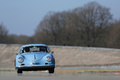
column 20, row 59
column 48, row 58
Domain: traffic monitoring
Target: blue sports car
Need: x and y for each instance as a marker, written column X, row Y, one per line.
column 33, row 57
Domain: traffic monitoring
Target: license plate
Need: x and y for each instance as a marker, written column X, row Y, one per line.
column 35, row 63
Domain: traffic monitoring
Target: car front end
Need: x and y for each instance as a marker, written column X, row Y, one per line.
column 33, row 61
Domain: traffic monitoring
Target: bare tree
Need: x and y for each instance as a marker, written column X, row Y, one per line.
column 50, row 28
column 113, row 40
column 92, row 21
column 3, row 34
column 83, row 26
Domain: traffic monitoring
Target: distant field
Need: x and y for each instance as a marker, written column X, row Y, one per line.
column 66, row 56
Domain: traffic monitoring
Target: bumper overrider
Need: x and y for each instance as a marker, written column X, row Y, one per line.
column 34, row 68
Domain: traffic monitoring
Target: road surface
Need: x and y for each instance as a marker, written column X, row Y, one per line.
column 58, row 76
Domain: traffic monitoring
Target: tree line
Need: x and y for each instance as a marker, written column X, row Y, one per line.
column 91, row 25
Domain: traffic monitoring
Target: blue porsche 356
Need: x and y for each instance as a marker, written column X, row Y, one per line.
column 33, row 57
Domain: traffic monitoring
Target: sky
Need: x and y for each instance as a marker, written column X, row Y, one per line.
column 21, row 17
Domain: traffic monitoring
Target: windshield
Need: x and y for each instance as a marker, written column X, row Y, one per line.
column 33, row 49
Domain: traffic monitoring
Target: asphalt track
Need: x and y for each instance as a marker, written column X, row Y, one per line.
column 58, row 76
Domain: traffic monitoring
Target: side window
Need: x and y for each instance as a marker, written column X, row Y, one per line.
column 21, row 50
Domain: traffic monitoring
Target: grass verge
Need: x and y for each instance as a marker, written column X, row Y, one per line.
column 85, row 70
column 76, row 70
column 3, row 70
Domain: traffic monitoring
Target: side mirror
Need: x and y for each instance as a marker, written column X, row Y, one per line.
column 52, row 52
column 17, row 53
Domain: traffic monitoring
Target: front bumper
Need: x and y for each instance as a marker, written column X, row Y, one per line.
column 35, row 68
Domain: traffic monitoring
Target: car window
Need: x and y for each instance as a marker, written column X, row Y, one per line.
column 33, row 49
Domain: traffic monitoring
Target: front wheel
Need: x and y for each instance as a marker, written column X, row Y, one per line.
column 19, row 71
column 51, row 71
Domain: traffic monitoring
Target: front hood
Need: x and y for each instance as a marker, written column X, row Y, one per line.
column 34, row 55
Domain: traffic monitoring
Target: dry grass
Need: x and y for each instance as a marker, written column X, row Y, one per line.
column 77, row 70
column 85, row 70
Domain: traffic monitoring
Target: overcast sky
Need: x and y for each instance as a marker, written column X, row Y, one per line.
column 21, row 17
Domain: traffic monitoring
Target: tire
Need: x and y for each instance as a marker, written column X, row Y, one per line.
column 51, row 71
column 19, row 71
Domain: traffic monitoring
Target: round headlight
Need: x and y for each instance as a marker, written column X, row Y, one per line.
column 20, row 59
column 48, row 58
